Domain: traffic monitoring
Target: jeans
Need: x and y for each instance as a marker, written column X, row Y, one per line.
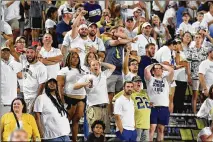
column 142, row 135
column 59, row 139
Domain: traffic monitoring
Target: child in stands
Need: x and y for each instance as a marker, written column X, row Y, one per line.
column 97, row 128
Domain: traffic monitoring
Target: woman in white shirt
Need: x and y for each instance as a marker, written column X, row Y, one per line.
column 75, row 99
column 161, row 33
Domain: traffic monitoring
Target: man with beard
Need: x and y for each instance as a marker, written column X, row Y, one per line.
column 97, row 45
column 34, row 75
column 124, row 114
column 49, row 106
column 146, row 60
column 79, row 38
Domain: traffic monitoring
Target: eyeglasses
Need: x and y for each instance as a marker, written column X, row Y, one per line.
column 133, row 64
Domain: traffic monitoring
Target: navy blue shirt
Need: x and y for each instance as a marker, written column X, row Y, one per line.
column 145, row 61
column 62, row 27
column 94, row 12
column 179, row 15
column 114, row 55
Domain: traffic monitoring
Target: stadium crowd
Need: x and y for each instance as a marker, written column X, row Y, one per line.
column 128, row 62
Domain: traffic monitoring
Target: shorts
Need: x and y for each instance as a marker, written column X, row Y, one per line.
column 73, row 101
column 127, row 135
column 114, row 83
column 30, row 105
column 98, row 113
column 14, row 23
column 36, row 23
column 196, row 85
column 159, row 115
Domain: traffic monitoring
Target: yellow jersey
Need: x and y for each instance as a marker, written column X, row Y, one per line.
column 142, row 108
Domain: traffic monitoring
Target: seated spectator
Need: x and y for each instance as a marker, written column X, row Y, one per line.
column 19, row 135
column 206, row 134
column 97, row 128
column 18, row 118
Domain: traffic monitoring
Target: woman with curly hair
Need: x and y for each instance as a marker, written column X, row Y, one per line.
column 75, row 99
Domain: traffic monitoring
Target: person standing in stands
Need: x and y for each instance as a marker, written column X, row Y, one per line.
column 114, row 55
column 34, row 75
column 64, row 25
column 158, row 91
column 51, row 116
column 96, row 88
column 124, row 114
column 94, row 11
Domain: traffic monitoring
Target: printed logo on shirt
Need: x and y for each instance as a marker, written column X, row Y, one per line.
column 94, row 12
column 158, row 86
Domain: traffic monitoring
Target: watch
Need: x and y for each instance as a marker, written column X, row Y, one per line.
column 2, row 33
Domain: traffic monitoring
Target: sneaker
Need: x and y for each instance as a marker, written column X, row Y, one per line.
column 172, row 121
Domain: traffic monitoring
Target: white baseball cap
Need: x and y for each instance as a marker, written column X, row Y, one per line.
column 83, row 26
column 146, row 24
column 67, row 10
column 49, row 24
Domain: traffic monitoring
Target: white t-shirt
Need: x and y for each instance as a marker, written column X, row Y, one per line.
column 12, row 12
column 171, row 12
column 205, row 131
column 206, row 109
column 141, row 43
column 78, row 42
column 164, row 54
column 158, row 91
column 98, row 94
column 49, row 23
column 33, row 76
column 52, row 70
column 207, row 18
column 6, row 28
column 125, row 108
column 196, row 26
column 8, row 84
column 71, row 77
column 54, row 124
column 206, row 68
column 16, row 67
column 129, row 76
column 155, row 7
column 181, row 73
column 186, row 28
column 97, row 43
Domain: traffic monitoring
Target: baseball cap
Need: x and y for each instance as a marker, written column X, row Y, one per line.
column 5, row 47
column 32, row 47
column 185, row 13
column 172, row 3
column 210, row 49
column 20, row 37
column 93, row 24
column 83, row 26
column 136, row 78
column 146, row 24
column 67, row 10
column 137, row 9
column 177, row 40
column 129, row 18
